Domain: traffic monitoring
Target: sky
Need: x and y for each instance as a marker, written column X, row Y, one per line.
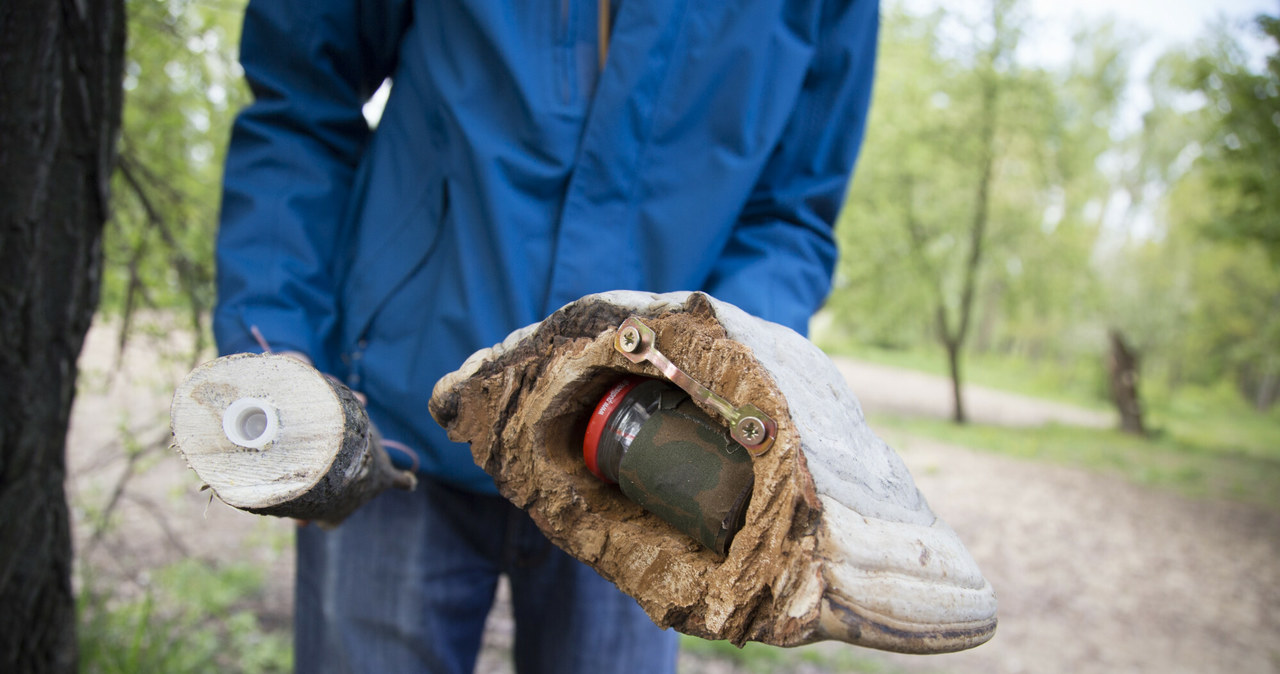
column 1159, row 25
column 1162, row 23
column 1166, row 21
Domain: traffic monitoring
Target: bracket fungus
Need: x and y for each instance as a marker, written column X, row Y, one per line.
column 837, row 543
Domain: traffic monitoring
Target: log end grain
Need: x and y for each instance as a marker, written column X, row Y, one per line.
column 271, row 435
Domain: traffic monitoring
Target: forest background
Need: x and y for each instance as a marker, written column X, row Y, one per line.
column 1010, row 223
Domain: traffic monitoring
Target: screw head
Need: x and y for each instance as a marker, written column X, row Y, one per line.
column 629, row 339
column 751, row 430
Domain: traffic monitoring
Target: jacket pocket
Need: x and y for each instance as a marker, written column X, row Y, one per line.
column 391, row 256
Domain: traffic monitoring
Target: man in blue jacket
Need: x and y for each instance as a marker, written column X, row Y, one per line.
column 530, row 153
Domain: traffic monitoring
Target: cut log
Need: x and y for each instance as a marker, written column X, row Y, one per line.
column 271, row 435
column 838, row 542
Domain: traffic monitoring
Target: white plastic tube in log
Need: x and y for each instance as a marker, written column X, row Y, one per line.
column 271, row 435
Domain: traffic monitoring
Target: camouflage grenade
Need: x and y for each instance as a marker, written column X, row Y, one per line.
column 670, row 457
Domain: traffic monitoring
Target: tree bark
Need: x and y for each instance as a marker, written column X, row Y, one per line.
column 60, row 95
column 1122, row 368
column 952, row 335
column 954, row 340
column 1262, row 384
column 958, row 414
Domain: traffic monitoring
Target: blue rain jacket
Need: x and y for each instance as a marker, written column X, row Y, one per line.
column 510, row 175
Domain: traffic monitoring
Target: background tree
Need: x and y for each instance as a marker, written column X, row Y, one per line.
column 183, row 86
column 60, row 86
column 1240, row 159
column 979, row 213
column 1200, row 292
column 950, row 195
column 927, row 174
column 1239, row 171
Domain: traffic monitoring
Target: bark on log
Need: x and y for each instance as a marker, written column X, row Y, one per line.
column 838, row 542
column 271, row 435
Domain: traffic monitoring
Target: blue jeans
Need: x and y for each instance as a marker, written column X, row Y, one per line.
column 405, row 584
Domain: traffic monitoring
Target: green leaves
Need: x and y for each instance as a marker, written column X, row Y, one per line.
column 182, row 89
column 978, row 196
column 1169, row 232
column 1223, row 215
column 1241, row 159
column 191, row 617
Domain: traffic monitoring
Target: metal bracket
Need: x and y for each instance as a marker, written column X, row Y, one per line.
column 751, row 427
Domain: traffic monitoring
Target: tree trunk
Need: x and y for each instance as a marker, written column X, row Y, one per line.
column 1268, row 387
column 954, row 340
column 958, row 414
column 1122, row 368
column 952, row 336
column 60, row 89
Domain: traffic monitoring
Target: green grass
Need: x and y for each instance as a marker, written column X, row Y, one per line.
column 191, row 616
column 1041, row 379
column 763, row 659
column 1195, row 465
column 1204, row 442
column 1216, row 419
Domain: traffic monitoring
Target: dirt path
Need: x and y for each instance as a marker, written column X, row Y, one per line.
column 1097, row 575
column 1093, row 574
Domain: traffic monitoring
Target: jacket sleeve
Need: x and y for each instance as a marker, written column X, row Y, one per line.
column 779, row 261
column 311, row 65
